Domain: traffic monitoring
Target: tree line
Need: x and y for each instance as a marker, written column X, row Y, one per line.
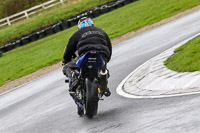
column 10, row 7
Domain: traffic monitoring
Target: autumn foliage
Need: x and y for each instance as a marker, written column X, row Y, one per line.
column 10, row 7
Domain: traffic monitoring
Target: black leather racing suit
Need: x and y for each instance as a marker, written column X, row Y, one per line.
column 85, row 39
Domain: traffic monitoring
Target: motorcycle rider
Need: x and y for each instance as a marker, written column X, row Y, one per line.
column 88, row 37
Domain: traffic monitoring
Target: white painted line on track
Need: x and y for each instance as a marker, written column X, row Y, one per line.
column 120, row 90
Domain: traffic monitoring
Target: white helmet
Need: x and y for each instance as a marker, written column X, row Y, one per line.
column 85, row 22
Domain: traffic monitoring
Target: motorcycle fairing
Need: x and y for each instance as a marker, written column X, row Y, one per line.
column 92, row 60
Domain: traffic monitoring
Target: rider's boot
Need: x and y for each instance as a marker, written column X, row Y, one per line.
column 107, row 93
column 72, row 78
column 103, row 81
column 74, row 83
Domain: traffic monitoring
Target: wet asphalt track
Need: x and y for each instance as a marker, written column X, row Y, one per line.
column 44, row 105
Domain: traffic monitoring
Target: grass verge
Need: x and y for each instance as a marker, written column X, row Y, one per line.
column 47, row 17
column 186, row 57
column 27, row 59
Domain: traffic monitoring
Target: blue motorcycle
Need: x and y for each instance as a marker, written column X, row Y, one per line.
column 88, row 91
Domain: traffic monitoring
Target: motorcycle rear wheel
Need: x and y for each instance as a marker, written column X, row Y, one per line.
column 91, row 99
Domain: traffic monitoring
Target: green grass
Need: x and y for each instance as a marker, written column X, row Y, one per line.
column 186, row 57
column 47, row 17
column 27, row 59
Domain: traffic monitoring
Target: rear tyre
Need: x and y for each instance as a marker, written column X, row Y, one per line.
column 91, row 100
